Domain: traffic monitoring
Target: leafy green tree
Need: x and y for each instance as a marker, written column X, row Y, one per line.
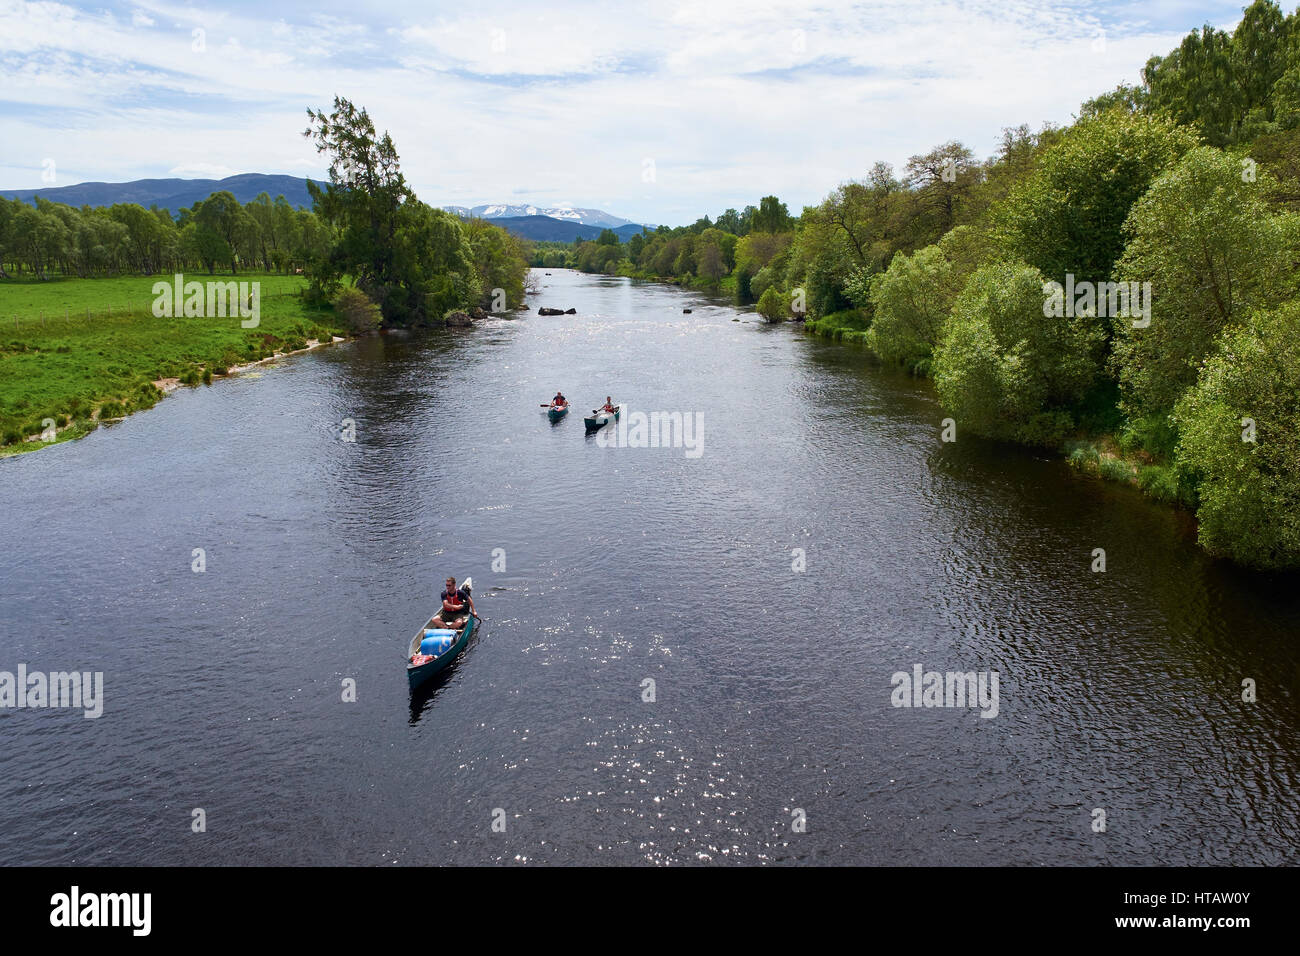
column 359, row 314
column 1224, row 84
column 1068, row 216
column 913, row 298
column 1240, row 437
column 498, row 262
column 941, row 181
column 1204, row 238
column 1124, row 97
column 1003, row 369
column 222, row 214
column 771, row 216
column 730, row 222
column 774, row 305
column 364, row 199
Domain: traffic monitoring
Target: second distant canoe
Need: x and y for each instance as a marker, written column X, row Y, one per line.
column 601, row 419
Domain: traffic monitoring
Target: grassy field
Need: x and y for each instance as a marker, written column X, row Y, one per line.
column 82, row 350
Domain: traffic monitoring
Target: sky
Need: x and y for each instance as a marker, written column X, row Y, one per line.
column 658, row 112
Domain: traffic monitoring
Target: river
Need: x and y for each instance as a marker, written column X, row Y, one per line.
column 771, row 736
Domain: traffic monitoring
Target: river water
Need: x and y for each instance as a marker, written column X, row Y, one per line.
column 771, row 736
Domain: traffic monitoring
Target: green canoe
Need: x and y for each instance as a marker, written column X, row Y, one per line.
column 420, row 667
column 601, row 419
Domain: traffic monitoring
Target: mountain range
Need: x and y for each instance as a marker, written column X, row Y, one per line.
column 171, row 194
column 544, row 223
column 587, row 217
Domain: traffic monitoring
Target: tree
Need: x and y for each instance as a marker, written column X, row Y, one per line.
column 730, row 222
column 1067, row 218
column 913, row 298
column 774, row 305
column 359, row 314
column 1240, row 437
column 1204, row 239
column 1004, row 370
column 942, row 181
column 499, row 264
column 222, row 214
column 364, row 198
column 771, row 216
column 1223, row 83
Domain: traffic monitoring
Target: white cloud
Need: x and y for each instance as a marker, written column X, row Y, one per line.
column 201, row 171
column 727, row 99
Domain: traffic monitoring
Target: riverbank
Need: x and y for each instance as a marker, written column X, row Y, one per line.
column 1102, row 452
column 78, row 352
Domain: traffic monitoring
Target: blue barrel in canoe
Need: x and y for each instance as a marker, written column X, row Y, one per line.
column 436, row 642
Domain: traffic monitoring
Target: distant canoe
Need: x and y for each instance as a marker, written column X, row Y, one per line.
column 601, row 419
column 419, row 673
column 555, row 414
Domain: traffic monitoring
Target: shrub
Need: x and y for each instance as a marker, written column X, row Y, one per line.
column 12, row 436
column 1084, row 457
column 1249, row 490
column 774, row 304
column 1204, row 239
column 1006, row 371
column 1162, row 483
column 358, row 312
column 1116, row 469
column 914, row 296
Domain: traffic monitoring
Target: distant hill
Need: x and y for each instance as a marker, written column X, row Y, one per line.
column 549, row 229
column 171, row 194
column 554, row 224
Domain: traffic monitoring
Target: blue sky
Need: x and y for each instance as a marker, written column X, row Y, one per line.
column 659, row 112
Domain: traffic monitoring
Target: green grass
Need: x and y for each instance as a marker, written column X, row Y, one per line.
column 70, row 367
column 849, row 325
column 68, row 299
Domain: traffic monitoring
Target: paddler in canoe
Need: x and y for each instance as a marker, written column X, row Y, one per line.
column 608, row 407
column 454, row 603
column 559, row 401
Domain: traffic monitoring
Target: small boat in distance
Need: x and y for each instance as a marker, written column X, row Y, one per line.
column 432, row 650
column 600, row 418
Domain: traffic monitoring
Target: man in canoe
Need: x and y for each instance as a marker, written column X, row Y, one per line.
column 454, row 603
column 609, row 406
column 559, row 401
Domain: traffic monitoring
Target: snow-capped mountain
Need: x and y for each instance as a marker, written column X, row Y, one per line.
column 586, row 217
